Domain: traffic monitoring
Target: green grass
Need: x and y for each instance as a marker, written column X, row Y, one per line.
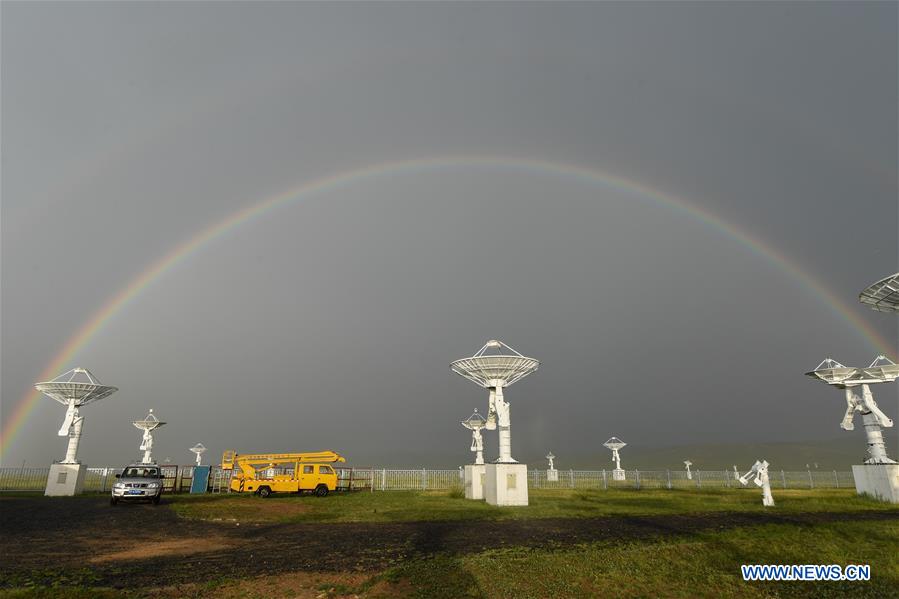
column 700, row 565
column 395, row 506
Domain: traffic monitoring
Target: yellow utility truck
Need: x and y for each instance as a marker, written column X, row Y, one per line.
column 267, row 473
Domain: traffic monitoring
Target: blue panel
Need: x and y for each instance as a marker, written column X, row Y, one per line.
column 200, row 481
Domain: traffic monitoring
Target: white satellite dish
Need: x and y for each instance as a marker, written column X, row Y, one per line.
column 550, row 457
column 760, row 471
column 149, row 424
column 492, row 368
column 882, row 295
column 881, row 370
column 198, row 449
column 476, row 423
column 616, row 444
column 74, row 389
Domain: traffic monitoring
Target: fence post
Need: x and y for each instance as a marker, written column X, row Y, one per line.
column 424, row 480
column 836, row 479
column 783, row 478
column 571, row 477
column 669, row 479
column 604, row 483
column 637, row 479
column 699, row 479
column 811, row 484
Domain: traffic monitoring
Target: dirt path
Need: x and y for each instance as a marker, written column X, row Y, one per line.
column 143, row 544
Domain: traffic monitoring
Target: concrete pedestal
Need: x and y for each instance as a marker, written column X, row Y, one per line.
column 552, row 476
column 474, row 481
column 618, row 474
column 65, row 480
column 506, row 484
column 877, row 480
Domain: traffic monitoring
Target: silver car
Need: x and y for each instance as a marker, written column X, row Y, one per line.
column 138, row 482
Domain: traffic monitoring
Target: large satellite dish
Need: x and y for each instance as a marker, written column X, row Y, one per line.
column 882, row 295
column 490, row 366
column 494, row 366
column 73, row 389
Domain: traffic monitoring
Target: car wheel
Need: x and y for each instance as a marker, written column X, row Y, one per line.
column 113, row 501
column 156, row 500
column 264, row 492
column 321, row 490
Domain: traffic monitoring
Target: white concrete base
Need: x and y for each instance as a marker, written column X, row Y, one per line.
column 618, row 474
column 877, row 480
column 65, row 480
column 474, row 481
column 506, row 484
column 552, row 476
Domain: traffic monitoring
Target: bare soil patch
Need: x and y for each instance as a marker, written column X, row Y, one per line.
column 151, row 549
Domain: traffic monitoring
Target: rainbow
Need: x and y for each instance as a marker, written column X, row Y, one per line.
column 333, row 182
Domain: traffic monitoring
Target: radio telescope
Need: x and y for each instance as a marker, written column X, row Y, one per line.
column 494, row 366
column 475, row 423
column 198, row 449
column 552, row 475
column 615, row 444
column 882, row 295
column 76, row 388
column 495, row 371
column 881, row 370
column 73, row 389
column 760, row 470
column 688, row 463
column 149, row 424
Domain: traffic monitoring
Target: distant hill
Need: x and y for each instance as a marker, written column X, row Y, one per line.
column 832, row 454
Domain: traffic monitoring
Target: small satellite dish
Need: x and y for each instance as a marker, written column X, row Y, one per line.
column 149, row 424
column 615, row 444
column 74, row 389
column 882, row 369
column 475, row 423
column 832, row 372
column 198, row 449
column 760, row 472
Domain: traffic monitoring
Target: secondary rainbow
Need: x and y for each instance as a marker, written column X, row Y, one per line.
column 115, row 304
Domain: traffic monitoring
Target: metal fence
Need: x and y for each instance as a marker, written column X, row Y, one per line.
column 178, row 479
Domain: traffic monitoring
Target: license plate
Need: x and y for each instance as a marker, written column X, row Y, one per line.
column 135, row 492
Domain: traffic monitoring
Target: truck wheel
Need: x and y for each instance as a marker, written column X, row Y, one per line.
column 264, row 492
column 321, row 490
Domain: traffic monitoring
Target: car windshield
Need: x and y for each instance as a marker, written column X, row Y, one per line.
column 133, row 472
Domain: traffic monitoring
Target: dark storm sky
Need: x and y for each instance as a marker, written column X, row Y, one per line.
column 127, row 128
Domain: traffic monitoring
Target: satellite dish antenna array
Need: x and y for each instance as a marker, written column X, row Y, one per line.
column 149, row 424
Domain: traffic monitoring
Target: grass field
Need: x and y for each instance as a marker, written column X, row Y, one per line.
column 697, row 563
column 404, row 506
